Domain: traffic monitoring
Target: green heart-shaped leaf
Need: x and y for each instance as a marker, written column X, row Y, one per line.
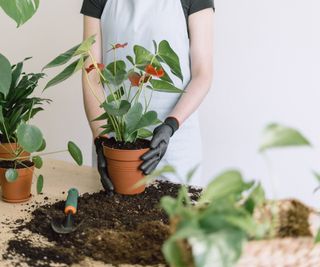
column 5, row 75
column 163, row 86
column 29, row 137
column 11, row 175
column 167, row 54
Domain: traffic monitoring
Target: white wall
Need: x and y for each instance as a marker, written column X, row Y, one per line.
column 267, row 59
column 267, row 63
column 56, row 27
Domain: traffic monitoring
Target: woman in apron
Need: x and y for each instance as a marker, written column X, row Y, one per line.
column 187, row 26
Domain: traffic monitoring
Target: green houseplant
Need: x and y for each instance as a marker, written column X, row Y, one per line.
column 212, row 230
column 126, row 108
column 18, row 138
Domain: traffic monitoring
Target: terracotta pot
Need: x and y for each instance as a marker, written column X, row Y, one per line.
column 19, row 190
column 6, row 148
column 123, row 169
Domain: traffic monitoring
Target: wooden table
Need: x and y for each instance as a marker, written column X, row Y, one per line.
column 59, row 176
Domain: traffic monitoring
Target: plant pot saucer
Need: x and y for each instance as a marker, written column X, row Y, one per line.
column 16, row 200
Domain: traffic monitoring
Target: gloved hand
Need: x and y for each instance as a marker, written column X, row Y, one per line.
column 159, row 145
column 102, row 166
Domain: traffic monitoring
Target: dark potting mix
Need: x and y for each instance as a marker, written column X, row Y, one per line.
column 114, row 229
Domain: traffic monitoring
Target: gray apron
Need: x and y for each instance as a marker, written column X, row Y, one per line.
column 139, row 22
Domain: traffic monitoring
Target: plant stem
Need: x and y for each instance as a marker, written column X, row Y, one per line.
column 91, row 89
column 96, row 66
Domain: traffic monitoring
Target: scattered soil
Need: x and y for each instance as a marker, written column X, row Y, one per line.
column 15, row 164
column 113, row 229
column 139, row 144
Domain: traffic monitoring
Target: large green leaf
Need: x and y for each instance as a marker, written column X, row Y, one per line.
column 67, row 72
column 20, row 10
column 85, row 46
column 29, row 137
column 113, row 110
column 167, row 54
column 117, row 79
column 80, row 49
column 63, row 58
column 144, row 56
column 133, row 117
column 75, row 152
column 147, row 119
column 228, row 183
column 118, row 65
column 276, row 135
column 163, row 86
column 223, row 248
column 144, row 133
column 173, row 254
column 5, row 75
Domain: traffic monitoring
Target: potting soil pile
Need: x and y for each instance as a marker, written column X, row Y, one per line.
column 112, row 229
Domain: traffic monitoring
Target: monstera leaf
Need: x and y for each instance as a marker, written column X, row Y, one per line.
column 20, row 10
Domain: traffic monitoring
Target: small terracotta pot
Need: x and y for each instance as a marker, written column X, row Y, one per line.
column 6, row 148
column 123, row 169
column 19, row 190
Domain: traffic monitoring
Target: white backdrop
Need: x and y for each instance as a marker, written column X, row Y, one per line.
column 267, row 60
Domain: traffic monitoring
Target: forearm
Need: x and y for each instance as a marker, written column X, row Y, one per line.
column 93, row 96
column 201, row 51
column 192, row 98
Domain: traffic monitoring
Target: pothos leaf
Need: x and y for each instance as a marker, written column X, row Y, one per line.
column 276, row 135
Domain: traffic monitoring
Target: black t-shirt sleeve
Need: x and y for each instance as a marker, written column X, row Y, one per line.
column 93, row 8
column 197, row 5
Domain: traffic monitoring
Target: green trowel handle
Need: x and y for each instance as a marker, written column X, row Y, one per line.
column 72, row 201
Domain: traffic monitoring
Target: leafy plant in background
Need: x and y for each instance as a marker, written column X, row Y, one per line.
column 212, row 230
column 20, row 10
column 279, row 136
column 124, row 113
column 17, row 108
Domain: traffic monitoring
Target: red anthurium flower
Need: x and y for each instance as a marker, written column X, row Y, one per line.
column 134, row 78
column 91, row 67
column 153, row 71
column 120, row 45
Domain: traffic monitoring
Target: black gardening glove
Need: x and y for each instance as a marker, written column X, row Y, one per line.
column 102, row 166
column 159, row 145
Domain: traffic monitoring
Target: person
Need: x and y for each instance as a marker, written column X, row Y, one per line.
column 188, row 27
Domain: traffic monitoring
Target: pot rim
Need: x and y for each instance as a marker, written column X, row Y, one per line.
column 17, row 168
column 125, row 150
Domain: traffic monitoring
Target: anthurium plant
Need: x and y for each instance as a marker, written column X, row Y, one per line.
column 18, row 137
column 214, row 228
column 126, row 107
